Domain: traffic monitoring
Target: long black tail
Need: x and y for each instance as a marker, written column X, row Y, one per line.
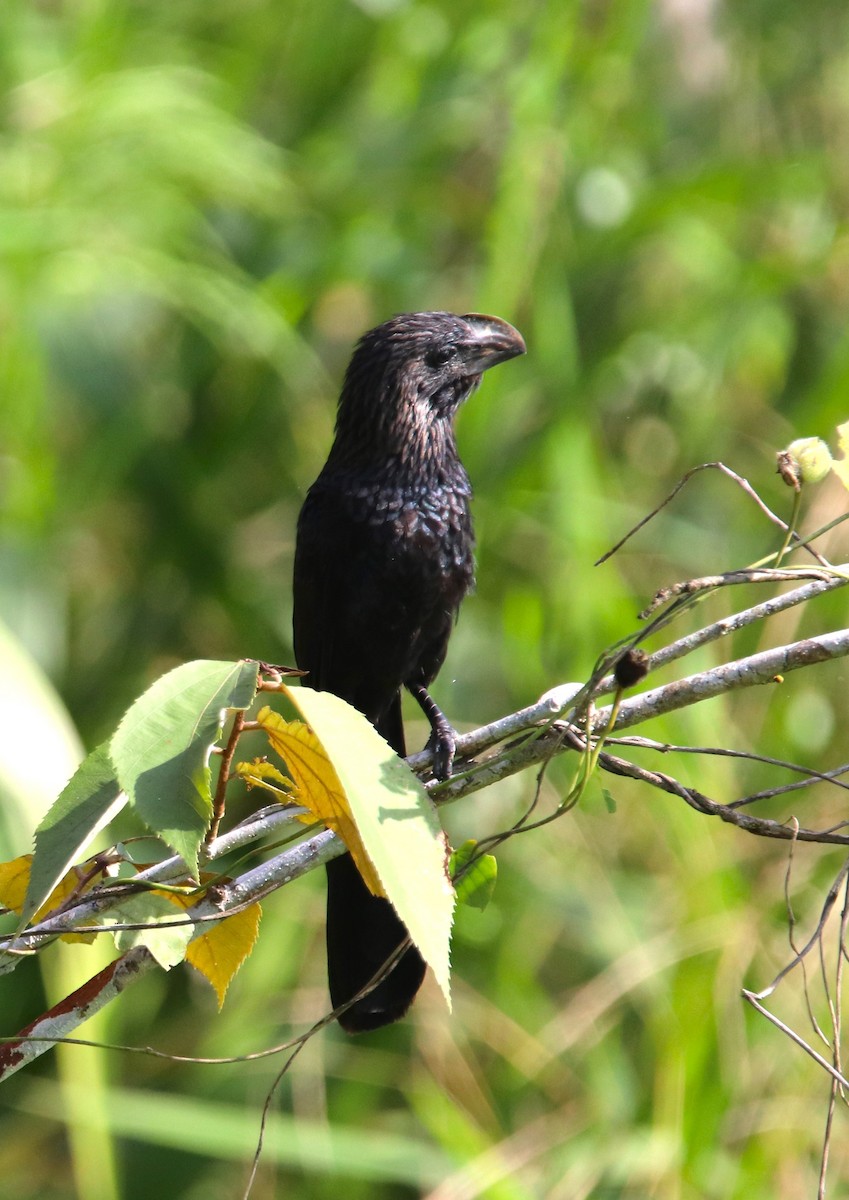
column 363, row 931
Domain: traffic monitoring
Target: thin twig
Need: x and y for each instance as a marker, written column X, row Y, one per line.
column 710, row 466
column 799, row 955
column 219, row 800
column 811, row 775
column 751, row 997
column 815, row 937
column 760, row 826
column 736, row 621
column 692, row 587
column 835, row 1009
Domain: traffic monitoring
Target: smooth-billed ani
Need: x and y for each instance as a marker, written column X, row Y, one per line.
column 383, row 560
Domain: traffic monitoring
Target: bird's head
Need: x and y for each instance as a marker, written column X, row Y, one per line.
column 412, row 373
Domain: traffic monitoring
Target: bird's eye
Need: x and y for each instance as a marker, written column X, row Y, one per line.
column 439, row 357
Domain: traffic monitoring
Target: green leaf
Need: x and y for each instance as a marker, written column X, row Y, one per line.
column 161, row 749
column 396, row 820
column 89, row 801
column 163, row 935
column 474, row 877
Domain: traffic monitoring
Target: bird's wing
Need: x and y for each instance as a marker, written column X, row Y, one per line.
column 345, row 615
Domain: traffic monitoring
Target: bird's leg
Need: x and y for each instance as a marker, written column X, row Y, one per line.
column 443, row 739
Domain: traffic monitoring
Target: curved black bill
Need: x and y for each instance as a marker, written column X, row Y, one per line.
column 491, row 341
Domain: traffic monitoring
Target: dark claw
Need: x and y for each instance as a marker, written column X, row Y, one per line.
column 443, row 745
column 443, row 740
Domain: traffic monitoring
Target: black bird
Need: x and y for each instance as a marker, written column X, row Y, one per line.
column 383, row 560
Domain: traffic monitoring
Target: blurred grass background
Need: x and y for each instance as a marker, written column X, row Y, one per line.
column 201, row 207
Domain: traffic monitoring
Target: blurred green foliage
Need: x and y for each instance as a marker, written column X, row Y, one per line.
column 202, row 204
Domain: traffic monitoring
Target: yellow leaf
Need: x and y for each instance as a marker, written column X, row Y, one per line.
column 224, row 945
column 14, row 880
column 840, row 466
column 260, row 773
column 318, row 785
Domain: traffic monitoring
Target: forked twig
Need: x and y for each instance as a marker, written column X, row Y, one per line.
column 741, row 483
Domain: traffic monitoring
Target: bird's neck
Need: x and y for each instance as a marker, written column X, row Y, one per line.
column 412, row 456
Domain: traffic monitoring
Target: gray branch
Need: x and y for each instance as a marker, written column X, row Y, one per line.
column 524, row 739
column 561, row 721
